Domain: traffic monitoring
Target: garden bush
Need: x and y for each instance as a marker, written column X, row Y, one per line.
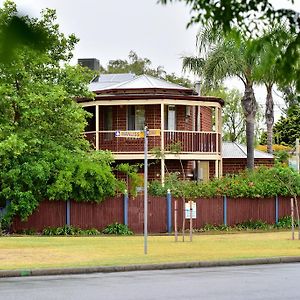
column 262, row 182
column 117, row 229
column 69, row 230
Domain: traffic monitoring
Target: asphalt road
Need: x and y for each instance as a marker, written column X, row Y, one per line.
column 244, row 282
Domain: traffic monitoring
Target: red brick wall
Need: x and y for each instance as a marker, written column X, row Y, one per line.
column 183, row 121
column 206, row 119
column 152, row 115
column 233, row 166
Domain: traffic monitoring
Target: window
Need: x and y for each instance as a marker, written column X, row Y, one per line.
column 108, row 123
column 170, row 117
column 107, row 118
column 136, row 117
column 91, row 126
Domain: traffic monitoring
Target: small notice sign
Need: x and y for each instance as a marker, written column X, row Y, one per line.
column 154, row 132
column 188, row 210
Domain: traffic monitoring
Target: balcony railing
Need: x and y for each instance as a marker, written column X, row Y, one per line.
column 189, row 141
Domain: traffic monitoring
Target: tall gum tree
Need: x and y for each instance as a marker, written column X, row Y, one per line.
column 43, row 153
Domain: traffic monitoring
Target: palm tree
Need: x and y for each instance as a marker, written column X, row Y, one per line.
column 231, row 56
column 271, row 45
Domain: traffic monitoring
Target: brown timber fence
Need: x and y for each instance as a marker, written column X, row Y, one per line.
column 214, row 211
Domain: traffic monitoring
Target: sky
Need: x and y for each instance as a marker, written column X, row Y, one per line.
column 109, row 29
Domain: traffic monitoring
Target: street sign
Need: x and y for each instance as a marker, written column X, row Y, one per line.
column 133, row 134
column 136, row 134
column 154, row 132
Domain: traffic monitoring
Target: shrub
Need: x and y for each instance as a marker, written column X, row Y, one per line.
column 69, row 230
column 285, row 222
column 117, row 229
column 27, row 232
column 259, row 183
column 253, row 225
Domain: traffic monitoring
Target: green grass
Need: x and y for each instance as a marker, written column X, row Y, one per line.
column 28, row 252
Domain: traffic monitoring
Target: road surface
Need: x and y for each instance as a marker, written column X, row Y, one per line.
column 280, row 281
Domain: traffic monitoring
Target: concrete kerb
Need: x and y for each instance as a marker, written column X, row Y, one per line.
column 166, row 266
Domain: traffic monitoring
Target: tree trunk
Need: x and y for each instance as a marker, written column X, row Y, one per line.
column 250, row 107
column 269, row 115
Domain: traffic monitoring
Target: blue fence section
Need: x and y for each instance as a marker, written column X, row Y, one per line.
column 276, row 209
column 225, row 210
column 126, row 209
column 68, row 212
column 169, row 212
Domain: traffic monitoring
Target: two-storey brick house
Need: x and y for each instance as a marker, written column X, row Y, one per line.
column 126, row 102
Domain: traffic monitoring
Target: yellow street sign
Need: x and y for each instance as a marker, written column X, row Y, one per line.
column 154, row 132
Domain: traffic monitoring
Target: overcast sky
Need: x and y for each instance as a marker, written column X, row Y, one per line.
column 109, row 29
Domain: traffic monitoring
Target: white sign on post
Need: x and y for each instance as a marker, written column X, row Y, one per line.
column 188, row 210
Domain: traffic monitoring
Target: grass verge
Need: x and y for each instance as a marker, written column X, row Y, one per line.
column 29, row 252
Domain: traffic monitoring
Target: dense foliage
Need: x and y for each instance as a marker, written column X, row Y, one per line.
column 138, row 65
column 252, row 17
column 43, row 153
column 287, row 129
column 262, row 182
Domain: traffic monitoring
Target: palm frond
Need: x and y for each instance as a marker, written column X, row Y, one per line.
column 193, row 64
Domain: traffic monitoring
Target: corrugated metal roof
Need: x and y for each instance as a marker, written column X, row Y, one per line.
column 105, row 81
column 131, row 81
column 147, row 81
column 236, row 150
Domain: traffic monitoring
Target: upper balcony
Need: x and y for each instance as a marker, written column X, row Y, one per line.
column 189, row 142
column 183, row 117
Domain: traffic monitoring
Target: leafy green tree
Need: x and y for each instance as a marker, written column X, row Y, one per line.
column 270, row 46
column 251, row 17
column 139, row 66
column 232, row 56
column 43, row 153
column 234, row 124
column 287, row 129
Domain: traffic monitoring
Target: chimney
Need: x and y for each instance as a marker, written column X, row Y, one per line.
column 91, row 63
column 197, row 87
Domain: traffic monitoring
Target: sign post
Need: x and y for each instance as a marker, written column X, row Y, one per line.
column 138, row 134
column 145, row 190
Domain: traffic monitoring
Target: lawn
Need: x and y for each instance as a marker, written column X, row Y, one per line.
column 29, row 252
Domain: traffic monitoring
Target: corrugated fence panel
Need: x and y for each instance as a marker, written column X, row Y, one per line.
column 209, row 211
column 157, row 216
column 284, row 205
column 48, row 214
column 179, row 213
column 97, row 215
column 136, row 214
column 243, row 209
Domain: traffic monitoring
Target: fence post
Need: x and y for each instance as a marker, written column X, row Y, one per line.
column 68, row 212
column 225, row 210
column 169, row 212
column 276, row 209
column 125, row 207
